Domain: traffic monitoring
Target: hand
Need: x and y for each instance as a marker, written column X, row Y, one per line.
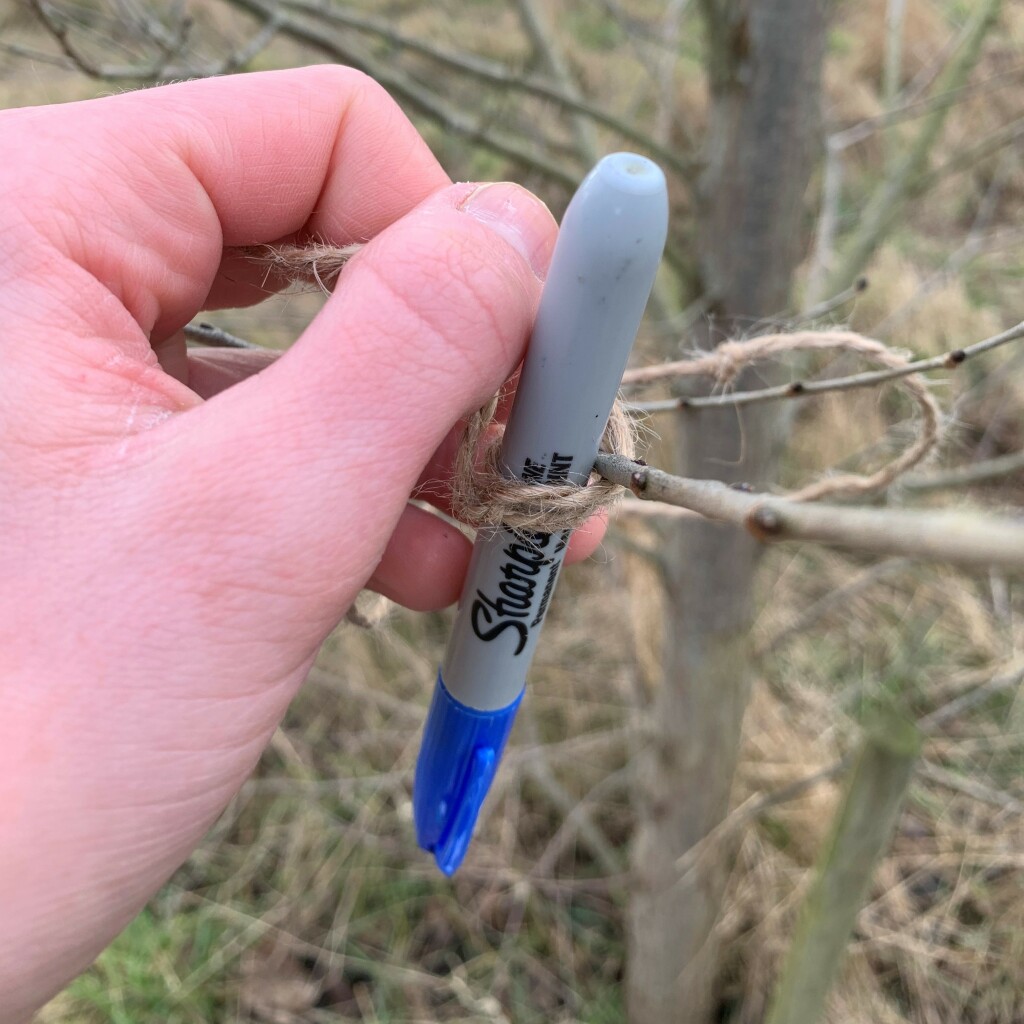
column 180, row 532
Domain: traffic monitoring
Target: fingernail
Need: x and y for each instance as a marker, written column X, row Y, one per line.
column 519, row 217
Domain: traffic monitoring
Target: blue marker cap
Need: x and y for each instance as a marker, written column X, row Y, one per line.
column 602, row 272
column 458, row 758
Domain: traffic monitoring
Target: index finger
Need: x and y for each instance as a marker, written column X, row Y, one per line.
column 145, row 190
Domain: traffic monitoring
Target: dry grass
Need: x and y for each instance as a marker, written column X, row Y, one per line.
column 938, row 940
column 309, row 902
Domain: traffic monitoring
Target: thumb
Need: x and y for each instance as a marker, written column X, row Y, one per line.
column 313, row 460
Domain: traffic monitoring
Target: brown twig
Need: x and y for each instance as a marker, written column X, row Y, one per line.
column 216, row 337
column 170, row 46
column 885, row 206
column 545, row 45
column 492, row 72
column 966, row 476
column 571, row 809
column 412, row 92
column 833, row 599
column 954, row 708
column 802, row 389
column 972, row 539
column 726, row 361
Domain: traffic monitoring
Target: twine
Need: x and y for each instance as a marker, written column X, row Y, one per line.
column 725, row 362
column 483, row 496
column 316, row 262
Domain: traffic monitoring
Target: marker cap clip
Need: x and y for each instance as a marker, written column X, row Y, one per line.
column 458, row 759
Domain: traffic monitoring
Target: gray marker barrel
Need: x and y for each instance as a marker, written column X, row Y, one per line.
column 602, row 271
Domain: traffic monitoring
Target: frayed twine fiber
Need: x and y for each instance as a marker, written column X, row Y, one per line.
column 314, row 263
column 483, row 496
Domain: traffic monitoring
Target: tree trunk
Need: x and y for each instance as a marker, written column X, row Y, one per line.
column 765, row 78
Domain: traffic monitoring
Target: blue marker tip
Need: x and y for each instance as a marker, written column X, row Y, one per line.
column 458, row 758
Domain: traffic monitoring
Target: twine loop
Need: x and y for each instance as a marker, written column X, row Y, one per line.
column 483, row 496
column 725, row 362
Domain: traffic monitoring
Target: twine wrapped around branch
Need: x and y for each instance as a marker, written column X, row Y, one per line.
column 725, row 362
column 482, row 495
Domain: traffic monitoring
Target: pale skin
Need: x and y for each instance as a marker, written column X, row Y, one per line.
column 180, row 532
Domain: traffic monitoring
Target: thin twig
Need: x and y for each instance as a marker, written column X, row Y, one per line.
column 967, row 158
column 493, row 73
column 543, row 39
column 538, row 767
column 27, row 53
column 978, row 239
column 972, row 539
column 833, row 599
column 827, row 307
column 970, row 787
column 169, row 46
column 966, row 476
column 414, row 93
column 241, row 57
column 801, row 388
column 953, row 709
column 51, row 21
column 838, row 142
column 216, row 337
column 576, row 821
column 884, row 208
column 794, row 790
column 865, row 128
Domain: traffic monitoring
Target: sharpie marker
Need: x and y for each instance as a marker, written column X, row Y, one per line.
column 602, row 271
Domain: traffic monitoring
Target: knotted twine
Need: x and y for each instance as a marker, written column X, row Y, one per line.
column 483, row 496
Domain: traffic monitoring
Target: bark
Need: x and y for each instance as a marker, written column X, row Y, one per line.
column 765, row 72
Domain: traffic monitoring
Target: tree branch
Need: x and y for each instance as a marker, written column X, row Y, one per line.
column 801, row 389
column 539, row 31
column 966, row 476
column 967, row 158
column 860, row 832
column 971, row 539
column 412, row 92
column 954, row 708
column 170, row 45
column 883, row 208
column 216, row 337
column 864, row 129
column 494, row 73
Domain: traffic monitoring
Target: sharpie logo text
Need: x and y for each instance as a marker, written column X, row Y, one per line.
column 511, row 607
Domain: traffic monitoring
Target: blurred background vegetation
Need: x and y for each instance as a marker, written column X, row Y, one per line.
column 309, row 901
